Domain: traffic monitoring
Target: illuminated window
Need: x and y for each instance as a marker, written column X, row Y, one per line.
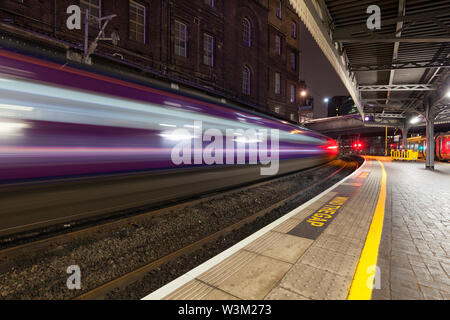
column 277, row 83
column 279, row 9
column 278, row 45
column 93, row 6
column 210, row 3
column 292, row 93
column 137, row 22
column 293, row 116
column 208, row 50
column 247, row 32
column 180, row 39
column 277, row 109
column 246, row 80
column 293, row 61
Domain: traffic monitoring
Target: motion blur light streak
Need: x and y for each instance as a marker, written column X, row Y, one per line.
column 16, row 108
column 72, row 122
column 177, row 137
column 167, row 125
column 11, row 127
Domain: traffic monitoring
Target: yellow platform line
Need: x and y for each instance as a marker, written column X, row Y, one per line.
column 362, row 284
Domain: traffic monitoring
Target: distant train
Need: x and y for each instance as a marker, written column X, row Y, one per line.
column 60, row 121
column 442, row 144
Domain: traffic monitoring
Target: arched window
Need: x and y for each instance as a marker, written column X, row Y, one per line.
column 246, row 80
column 247, row 32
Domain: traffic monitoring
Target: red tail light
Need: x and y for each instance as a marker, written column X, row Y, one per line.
column 332, row 147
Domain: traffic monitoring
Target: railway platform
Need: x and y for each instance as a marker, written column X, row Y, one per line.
column 381, row 233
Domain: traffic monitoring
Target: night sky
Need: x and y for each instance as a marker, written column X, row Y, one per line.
column 320, row 77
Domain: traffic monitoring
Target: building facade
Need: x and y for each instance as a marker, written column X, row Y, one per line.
column 246, row 51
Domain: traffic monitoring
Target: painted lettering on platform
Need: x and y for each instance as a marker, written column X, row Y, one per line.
column 364, row 175
column 321, row 216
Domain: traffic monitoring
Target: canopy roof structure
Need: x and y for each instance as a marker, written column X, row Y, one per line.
column 394, row 73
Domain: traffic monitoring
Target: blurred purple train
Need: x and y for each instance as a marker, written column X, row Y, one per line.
column 59, row 122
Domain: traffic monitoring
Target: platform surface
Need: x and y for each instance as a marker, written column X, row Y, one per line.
column 415, row 248
column 319, row 250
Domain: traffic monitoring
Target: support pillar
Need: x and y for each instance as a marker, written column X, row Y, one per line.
column 385, row 143
column 430, row 136
column 405, row 130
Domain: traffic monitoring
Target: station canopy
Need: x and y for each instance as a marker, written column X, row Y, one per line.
column 392, row 73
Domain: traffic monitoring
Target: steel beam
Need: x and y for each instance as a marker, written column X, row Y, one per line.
column 398, row 87
column 391, row 39
column 408, row 20
column 316, row 19
column 376, row 100
column 401, row 13
column 430, row 136
column 401, row 65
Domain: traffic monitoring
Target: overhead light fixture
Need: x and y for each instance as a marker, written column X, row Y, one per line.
column 326, row 100
column 415, row 120
column 448, row 94
column 303, row 93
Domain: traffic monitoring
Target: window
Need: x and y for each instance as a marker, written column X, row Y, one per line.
column 292, row 93
column 277, row 83
column 137, row 22
column 278, row 45
column 293, row 116
column 246, row 80
column 293, row 61
column 210, row 3
column 246, row 32
column 180, row 39
column 277, row 109
column 208, row 50
column 279, row 9
column 294, row 30
column 92, row 5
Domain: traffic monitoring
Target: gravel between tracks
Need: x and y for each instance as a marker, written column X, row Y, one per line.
column 102, row 258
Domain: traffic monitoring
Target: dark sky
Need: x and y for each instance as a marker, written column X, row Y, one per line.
column 320, row 77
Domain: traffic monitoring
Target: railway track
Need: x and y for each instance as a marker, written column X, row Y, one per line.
column 58, row 244
column 120, row 283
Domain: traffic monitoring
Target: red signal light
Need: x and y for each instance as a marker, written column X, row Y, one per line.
column 358, row 145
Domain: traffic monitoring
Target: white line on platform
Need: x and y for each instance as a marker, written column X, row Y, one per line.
column 194, row 273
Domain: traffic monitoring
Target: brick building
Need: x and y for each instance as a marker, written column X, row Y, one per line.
column 245, row 51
